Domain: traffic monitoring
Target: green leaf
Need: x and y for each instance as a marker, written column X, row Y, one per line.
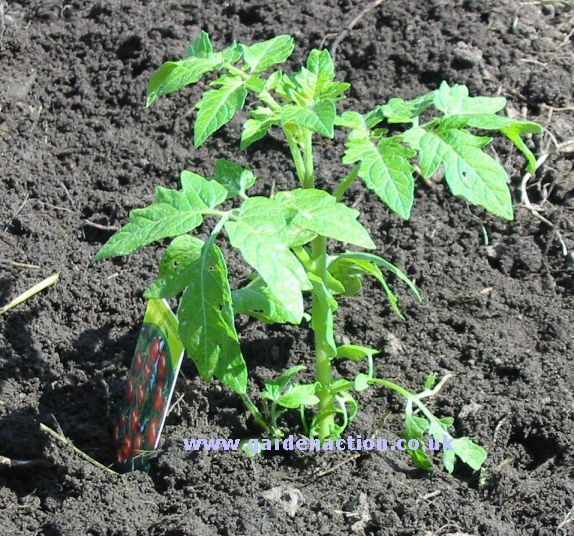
column 348, row 274
column 253, row 130
column 299, row 395
column 414, row 428
column 340, row 385
column 322, row 314
column 469, row 171
column 334, row 286
column 385, row 169
column 374, row 271
column 175, row 267
column 349, row 266
column 379, row 261
column 257, row 301
column 218, row 106
column 455, row 100
column 299, row 87
column 321, row 213
column 355, row 352
column 447, row 421
column 361, row 382
column 200, row 192
column 233, row 177
column 470, row 453
column 259, row 234
column 513, row 129
column 448, row 460
column 261, row 56
column 406, row 111
column 174, row 213
column 438, row 429
column 275, row 387
column 430, row 381
column 231, row 54
column 354, row 121
column 200, row 47
column 321, row 65
column 514, row 133
column 262, row 119
column 255, row 84
column 319, row 118
column 206, row 322
column 412, row 137
column 173, row 75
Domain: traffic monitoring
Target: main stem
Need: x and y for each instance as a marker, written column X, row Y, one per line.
column 323, row 373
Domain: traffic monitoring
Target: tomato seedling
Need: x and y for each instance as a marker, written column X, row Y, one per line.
column 284, row 237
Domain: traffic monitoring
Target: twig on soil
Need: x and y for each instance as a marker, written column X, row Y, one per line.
column 568, row 519
column 110, row 228
column 431, row 495
column 557, row 108
column 69, row 196
column 20, row 264
column 18, row 210
column 511, row 91
column 342, row 34
column 49, row 281
column 20, row 464
column 444, row 527
column 2, row 21
column 436, row 389
column 503, row 464
column 560, row 148
column 56, row 207
column 81, row 453
column 350, row 459
column 338, row 465
column 175, row 405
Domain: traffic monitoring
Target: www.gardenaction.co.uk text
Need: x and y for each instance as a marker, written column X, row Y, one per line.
column 351, row 443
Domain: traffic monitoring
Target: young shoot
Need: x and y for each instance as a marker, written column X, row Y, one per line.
column 284, row 238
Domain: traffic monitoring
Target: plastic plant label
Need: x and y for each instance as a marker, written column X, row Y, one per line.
column 150, row 385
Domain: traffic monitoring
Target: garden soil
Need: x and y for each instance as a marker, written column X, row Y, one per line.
column 78, row 148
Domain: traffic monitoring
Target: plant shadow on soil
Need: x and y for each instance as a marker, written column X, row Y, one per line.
column 498, row 315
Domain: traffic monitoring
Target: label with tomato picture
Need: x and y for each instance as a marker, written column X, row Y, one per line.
column 150, row 385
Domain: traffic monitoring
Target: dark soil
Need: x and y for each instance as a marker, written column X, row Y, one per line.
column 77, row 144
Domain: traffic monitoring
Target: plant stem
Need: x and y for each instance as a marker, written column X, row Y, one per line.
column 81, row 453
column 297, row 158
column 264, row 95
column 323, row 372
column 393, row 386
column 308, row 179
column 345, row 183
column 255, row 412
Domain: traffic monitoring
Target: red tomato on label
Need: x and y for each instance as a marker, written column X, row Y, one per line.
column 121, row 420
column 116, row 433
column 138, row 360
column 151, row 432
column 135, row 420
column 140, row 394
column 161, row 366
column 120, row 456
column 138, row 441
column 130, row 389
column 158, row 400
column 126, row 447
column 148, row 369
column 155, row 350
